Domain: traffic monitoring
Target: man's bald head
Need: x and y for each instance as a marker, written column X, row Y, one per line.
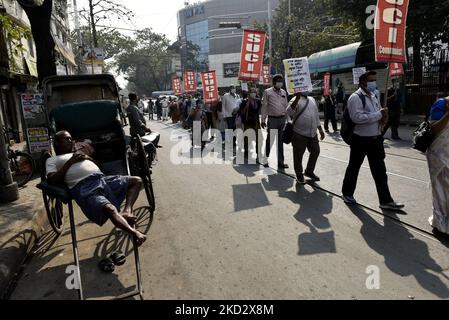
column 63, row 143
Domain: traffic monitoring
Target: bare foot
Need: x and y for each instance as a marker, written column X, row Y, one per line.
column 140, row 238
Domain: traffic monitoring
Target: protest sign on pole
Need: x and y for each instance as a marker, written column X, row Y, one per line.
column 244, row 86
column 176, row 86
column 356, row 74
column 251, row 60
column 210, row 86
column 297, row 75
column 189, row 81
column 389, row 34
column 396, row 70
column 265, row 78
column 327, row 85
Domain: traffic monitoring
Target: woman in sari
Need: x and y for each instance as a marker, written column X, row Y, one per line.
column 438, row 159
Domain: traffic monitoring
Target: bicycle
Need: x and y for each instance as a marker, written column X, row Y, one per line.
column 21, row 163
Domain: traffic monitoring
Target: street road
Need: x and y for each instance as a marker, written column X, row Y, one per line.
column 244, row 232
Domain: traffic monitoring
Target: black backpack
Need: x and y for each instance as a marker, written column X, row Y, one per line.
column 347, row 125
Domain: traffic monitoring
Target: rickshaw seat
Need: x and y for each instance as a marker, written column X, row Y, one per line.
column 86, row 116
column 55, row 191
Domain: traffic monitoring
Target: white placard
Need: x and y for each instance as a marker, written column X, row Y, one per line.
column 245, row 87
column 297, row 75
column 357, row 73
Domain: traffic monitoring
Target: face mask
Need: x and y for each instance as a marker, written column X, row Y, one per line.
column 253, row 95
column 372, row 86
column 233, row 91
column 279, row 85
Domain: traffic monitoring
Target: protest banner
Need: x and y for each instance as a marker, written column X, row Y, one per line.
column 210, row 86
column 176, row 86
column 189, row 81
column 297, row 75
column 252, row 53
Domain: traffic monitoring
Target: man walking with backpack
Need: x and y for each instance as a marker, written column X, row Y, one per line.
column 368, row 116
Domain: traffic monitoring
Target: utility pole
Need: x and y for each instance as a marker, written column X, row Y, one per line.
column 80, row 48
column 289, row 30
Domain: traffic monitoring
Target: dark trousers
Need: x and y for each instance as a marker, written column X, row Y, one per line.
column 394, row 120
column 373, row 148
column 255, row 127
column 300, row 144
column 329, row 115
column 230, row 124
column 276, row 124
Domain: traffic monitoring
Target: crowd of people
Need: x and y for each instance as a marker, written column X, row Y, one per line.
column 248, row 110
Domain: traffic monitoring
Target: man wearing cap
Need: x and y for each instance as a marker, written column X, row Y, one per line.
column 274, row 108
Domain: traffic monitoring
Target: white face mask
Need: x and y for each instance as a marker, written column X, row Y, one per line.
column 233, row 91
column 279, row 85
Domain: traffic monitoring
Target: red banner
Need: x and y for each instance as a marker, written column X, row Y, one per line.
column 176, row 86
column 391, row 21
column 396, row 70
column 265, row 76
column 327, row 85
column 251, row 61
column 210, row 87
column 189, row 81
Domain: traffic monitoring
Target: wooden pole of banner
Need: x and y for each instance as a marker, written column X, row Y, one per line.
column 386, row 87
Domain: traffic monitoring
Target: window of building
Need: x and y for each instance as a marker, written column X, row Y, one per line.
column 198, row 33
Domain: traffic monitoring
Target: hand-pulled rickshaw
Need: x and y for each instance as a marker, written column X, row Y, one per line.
column 88, row 107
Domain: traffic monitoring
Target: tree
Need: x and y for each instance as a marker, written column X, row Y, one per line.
column 427, row 25
column 145, row 61
column 312, row 27
column 39, row 14
column 101, row 10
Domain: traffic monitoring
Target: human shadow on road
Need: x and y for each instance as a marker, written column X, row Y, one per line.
column 404, row 253
column 314, row 206
column 249, row 195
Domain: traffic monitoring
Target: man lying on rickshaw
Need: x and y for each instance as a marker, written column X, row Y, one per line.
column 98, row 196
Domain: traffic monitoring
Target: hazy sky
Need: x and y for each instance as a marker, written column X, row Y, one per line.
column 160, row 15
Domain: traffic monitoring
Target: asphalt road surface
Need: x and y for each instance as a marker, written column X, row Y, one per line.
column 224, row 231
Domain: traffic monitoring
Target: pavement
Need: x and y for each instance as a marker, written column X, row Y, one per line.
column 226, row 231
column 22, row 223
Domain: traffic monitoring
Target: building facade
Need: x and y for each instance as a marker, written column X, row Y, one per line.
column 18, row 71
column 205, row 24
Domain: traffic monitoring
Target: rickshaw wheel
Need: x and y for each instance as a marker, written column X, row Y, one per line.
column 145, row 173
column 54, row 207
column 55, row 212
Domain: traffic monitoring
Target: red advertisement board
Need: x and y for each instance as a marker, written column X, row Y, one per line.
column 389, row 34
column 327, row 84
column 189, row 81
column 396, row 70
column 176, row 86
column 265, row 76
column 251, row 60
column 210, row 87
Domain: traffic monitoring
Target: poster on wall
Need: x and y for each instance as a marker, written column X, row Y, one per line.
column 38, row 140
column 32, row 105
column 35, row 122
column 297, row 75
